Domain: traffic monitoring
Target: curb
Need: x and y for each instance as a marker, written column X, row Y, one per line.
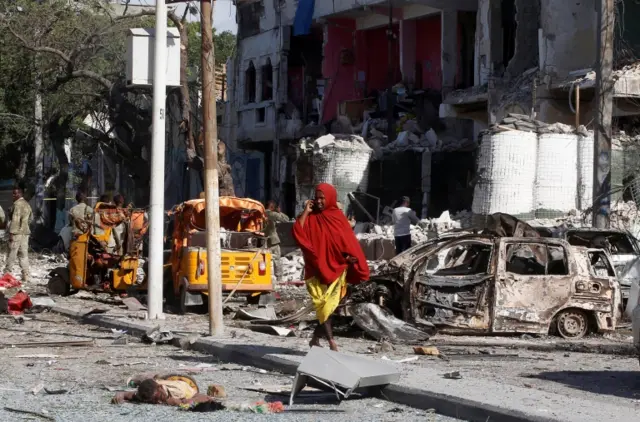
column 443, row 404
column 622, row 349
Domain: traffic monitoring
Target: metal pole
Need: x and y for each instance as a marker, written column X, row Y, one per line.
column 604, row 110
column 390, row 123
column 156, row 208
column 211, row 192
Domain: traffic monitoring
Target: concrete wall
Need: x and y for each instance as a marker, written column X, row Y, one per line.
column 568, row 36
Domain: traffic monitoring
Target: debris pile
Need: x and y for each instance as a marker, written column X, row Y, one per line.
column 525, row 123
column 410, row 136
column 425, row 230
column 292, row 266
column 323, row 143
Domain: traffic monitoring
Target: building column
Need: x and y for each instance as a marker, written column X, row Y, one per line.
column 408, row 50
column 449, row 49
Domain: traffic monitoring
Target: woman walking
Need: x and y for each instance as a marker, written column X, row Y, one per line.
column 332, row 257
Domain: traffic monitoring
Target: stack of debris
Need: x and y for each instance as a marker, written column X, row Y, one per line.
column 411, row 137
column 525, row 123
column 428, row 228
column 292, row 266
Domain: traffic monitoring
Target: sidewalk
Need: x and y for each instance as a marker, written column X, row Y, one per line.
column 469, row 398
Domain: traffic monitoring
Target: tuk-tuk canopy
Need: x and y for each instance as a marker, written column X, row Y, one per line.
column 236, row 214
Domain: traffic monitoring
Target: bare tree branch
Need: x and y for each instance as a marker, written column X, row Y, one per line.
column 13, row 116
column 33, row 48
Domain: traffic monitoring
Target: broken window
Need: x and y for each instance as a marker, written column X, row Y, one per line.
column 464, row 259
column 536, row 259
column 261, row 114
column 249, row 15
column 267, row 81
column 509, row 26
column 250, row 84
column 600, row 264
column 613, row 242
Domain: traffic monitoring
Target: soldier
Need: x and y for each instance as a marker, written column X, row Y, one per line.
column 81, row 215
column 118, row 231
column 20, row 218
column 273, row 240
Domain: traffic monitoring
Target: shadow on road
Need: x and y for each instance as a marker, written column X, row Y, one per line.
column 625, row 384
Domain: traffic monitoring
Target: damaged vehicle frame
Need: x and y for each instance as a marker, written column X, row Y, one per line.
column 476, row 283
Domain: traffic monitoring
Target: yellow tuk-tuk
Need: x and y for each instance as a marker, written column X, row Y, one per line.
column 93, row 265
column 246, row 269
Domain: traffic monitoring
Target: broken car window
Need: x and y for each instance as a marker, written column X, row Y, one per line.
column 600, row 264
column 613, row 242
column 536, row 259
column 465, row 258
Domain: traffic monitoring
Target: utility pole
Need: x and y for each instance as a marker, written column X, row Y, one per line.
column 604, row 110
column 211, row 192
column 390, row 122
column 156, row 209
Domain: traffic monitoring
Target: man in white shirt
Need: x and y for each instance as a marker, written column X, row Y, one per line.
column 403, row 216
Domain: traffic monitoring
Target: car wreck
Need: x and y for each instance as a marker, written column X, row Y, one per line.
column 506, row 279
column 619, row 244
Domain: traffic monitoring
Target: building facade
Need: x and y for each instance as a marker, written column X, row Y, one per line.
column 299, row 64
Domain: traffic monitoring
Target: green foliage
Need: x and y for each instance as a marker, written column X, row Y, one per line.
column 76, row 49
column 224, row 44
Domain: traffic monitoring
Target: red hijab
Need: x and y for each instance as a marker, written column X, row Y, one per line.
column 325, row 238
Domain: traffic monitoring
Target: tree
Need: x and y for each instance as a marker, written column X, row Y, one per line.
column 73, row 57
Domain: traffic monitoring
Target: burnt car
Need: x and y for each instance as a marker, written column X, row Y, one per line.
column 622, row 247
column 483, row 283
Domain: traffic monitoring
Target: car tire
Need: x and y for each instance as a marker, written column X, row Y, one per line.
column 57, row 286
column 572, row 324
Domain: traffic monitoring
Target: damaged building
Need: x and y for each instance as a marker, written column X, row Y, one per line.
column 303, row 69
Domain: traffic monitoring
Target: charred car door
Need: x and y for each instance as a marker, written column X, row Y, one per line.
column 451, row 287
column 534, row 280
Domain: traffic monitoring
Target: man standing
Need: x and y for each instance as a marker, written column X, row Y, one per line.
column 273, row 240
column 403, row 216
column 81, row 215
column 20, row 218
column 118, row 231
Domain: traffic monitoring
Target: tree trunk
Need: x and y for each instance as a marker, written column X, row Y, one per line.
column 38, row 145
column 21, row 171
column 184, row 92
column 58, row 132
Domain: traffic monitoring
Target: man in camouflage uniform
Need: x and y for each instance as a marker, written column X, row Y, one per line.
column 20, row 218
column 274, row 216
column 81, row 215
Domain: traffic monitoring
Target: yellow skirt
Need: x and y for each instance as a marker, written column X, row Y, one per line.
column 326, row 298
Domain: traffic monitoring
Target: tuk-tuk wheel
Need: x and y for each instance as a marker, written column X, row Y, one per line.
column 57, row 286
column 182, row 300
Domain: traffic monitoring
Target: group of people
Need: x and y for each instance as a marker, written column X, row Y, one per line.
column 19, row 217
column 83, row 219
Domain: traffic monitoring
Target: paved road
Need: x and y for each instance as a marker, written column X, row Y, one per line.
column 88, row 373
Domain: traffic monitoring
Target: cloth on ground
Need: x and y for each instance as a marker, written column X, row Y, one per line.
column 177, row 389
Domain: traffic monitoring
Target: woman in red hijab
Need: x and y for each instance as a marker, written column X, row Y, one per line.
column 332, row 257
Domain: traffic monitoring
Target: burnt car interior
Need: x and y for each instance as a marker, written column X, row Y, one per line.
column 615, row 243
column 600, row 265
column 536, row 259
column 456, row 285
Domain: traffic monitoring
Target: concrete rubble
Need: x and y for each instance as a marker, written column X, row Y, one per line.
column 525, row 123
column 425, row 230
column 410, row 137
